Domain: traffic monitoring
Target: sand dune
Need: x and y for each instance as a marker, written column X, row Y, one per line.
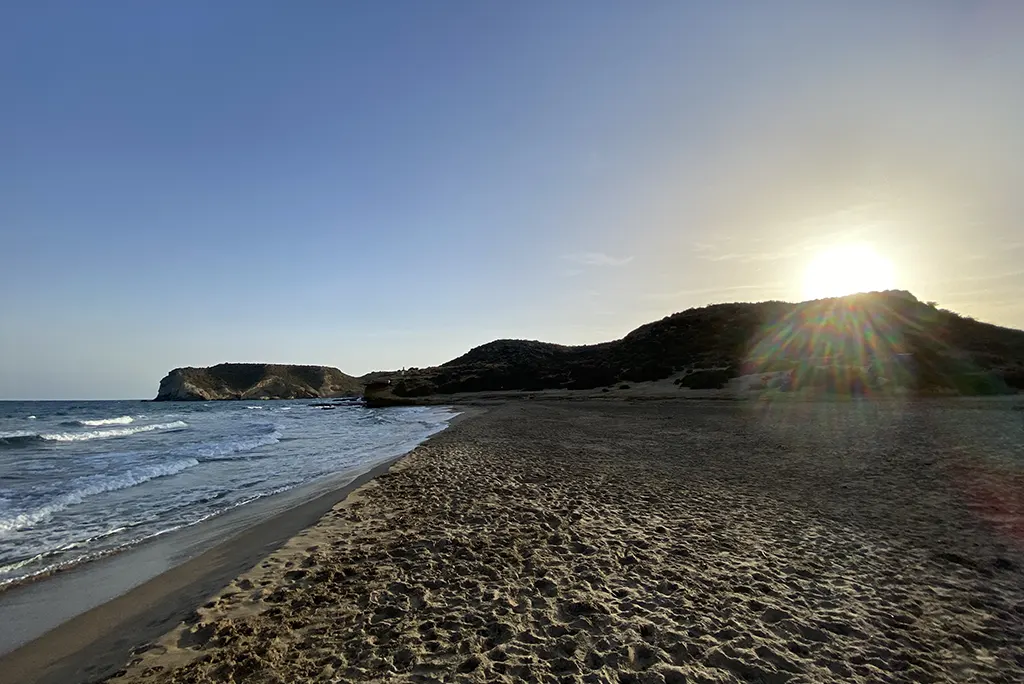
column 663, row 542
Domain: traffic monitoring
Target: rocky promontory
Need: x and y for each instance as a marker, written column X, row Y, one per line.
column 256, row 381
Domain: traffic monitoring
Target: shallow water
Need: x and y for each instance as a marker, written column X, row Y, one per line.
column 80, row 480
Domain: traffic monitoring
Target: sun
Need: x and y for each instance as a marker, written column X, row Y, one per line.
column 847, row 269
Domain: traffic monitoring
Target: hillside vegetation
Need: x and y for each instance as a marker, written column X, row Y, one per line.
column 897, row 337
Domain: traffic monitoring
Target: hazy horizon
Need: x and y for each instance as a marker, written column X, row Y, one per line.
column 377, row 187
column 396, row 368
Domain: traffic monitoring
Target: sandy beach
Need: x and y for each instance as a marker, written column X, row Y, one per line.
column 660, row 541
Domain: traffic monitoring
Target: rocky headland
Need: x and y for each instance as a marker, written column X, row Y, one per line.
column 256, row 381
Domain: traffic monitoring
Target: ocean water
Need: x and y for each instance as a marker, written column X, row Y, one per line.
column 79, row 480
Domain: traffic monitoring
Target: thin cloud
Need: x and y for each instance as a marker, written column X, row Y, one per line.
column 988, row 295
column 748, row 257
column 1003, row 249
column 994, row 276
column 596, row 259
column 682, row 294
column 964, row 304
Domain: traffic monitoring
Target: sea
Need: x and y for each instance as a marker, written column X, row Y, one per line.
column 80, row 480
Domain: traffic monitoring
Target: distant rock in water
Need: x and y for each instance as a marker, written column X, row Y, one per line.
column 378, row 394
column 256, row 381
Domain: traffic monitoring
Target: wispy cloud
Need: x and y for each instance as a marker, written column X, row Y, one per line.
column 759, row 249
column 989, row 300
column 724, row 249
column 985, row 294
column 747, row 257
column 989, row 276
column 986, row 255
column 765, row 288
column 596, row 259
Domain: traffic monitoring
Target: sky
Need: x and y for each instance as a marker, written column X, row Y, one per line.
column 384, row 185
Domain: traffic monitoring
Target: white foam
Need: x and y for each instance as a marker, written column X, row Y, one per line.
column 10, row 521
column 120, row 420
column 218, row 451
column 113, row 432
column 31, row 418
column 244, row 465
column 16, row 434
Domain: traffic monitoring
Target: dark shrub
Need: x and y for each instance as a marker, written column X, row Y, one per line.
column 1013, row 377
column 407, row 388
column 647, row 372
column 980, row 384
column 706, row 379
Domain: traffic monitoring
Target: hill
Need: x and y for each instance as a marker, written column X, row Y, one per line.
column 889, row 335
column 256, row 381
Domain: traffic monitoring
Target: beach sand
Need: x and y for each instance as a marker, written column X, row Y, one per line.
column 659, row 541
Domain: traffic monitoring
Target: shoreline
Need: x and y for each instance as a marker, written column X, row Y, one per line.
column 594, row 542
column 616, row 541
column 224, row 518
column 94, row 642
column 666, row 391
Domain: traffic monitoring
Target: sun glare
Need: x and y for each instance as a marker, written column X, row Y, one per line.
column 847, row 270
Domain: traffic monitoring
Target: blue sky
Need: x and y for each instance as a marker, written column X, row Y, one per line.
column 378, row 185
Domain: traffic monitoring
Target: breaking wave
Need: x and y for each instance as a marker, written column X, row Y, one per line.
column 219, row 451
column 15, row 439
column 112, row 432
column 90, row 486
column 120, row 420
column 72, row 490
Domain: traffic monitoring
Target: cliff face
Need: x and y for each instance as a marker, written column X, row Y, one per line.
column 256, row 381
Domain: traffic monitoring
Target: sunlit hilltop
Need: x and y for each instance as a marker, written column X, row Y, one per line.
column 844, row 270
column 878, row 341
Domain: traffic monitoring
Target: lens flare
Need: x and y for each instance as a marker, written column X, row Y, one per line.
column 845, row 270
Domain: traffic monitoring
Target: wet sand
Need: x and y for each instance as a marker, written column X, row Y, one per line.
column 658, row 541
column 34, row 607
column 89, row 645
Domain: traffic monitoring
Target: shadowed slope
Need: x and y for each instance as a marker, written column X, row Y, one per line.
column 949, row 351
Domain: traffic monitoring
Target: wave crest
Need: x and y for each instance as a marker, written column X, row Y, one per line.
column 112, row 432
column 120, row 420
column 20, row 438
column 11, row 521
column 220, row 451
